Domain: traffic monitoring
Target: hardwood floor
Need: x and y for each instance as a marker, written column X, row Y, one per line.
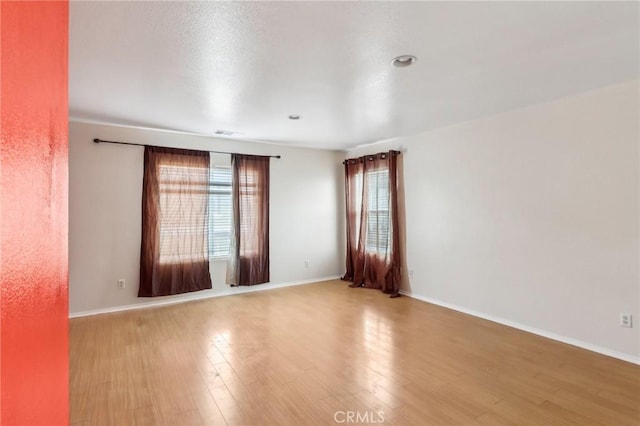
column 326, row 354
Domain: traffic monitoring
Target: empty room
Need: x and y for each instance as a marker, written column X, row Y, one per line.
column 301, row 213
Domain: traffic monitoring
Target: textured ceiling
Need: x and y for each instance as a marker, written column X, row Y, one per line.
column 245, row 67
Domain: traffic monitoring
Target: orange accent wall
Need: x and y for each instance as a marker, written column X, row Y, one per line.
column 34, row 214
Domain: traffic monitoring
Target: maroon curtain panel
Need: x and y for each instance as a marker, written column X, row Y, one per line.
column 249, row 253
column 373, row 240
column 174, row 254
column 353, row 169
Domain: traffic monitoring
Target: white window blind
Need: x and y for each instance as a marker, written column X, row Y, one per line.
column 219, row 211
column 182, row 196
column 377, row 239
column 378, row 211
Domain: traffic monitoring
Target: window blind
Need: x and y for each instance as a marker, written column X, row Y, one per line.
column 378, row 211
column 219, row 211
column 180, row 189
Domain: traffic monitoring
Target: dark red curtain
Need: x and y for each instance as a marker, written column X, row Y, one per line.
column 249, row 253
column 353, row 190
column 373, row 241
column 174, row 255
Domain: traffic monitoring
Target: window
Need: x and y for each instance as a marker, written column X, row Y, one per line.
column 219, row 211
column 172, row 206
column 181, row 190
column 249, row 192
column 377, row 240
column 378, row 211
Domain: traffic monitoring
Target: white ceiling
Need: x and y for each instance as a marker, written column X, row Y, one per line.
column 245, row 67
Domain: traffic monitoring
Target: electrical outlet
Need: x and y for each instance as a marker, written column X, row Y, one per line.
column 122, row 283
column 625, row 320
column 410, row 273
column 306, row 263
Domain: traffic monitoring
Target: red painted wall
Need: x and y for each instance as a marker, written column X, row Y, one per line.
column 33, row 214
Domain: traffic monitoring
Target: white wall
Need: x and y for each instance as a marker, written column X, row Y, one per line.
column 105, row 190
column 531, row 217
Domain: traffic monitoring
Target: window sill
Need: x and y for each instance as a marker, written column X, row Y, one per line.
column 219, row 258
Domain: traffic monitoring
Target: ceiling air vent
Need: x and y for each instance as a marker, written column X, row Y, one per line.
column 225, row 133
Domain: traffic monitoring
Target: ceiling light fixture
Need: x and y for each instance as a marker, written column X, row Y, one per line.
column 295, row 117
column 403, row 61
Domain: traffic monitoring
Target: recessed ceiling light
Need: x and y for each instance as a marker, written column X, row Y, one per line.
column 295, row 117
column 403, row 61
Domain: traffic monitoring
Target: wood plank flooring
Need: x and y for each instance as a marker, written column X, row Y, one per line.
column 326, row 354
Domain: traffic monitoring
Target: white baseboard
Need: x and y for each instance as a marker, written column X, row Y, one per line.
column 198, row 296
column 539, row 332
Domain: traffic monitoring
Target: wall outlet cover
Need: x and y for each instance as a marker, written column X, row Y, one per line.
column 626, row 320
